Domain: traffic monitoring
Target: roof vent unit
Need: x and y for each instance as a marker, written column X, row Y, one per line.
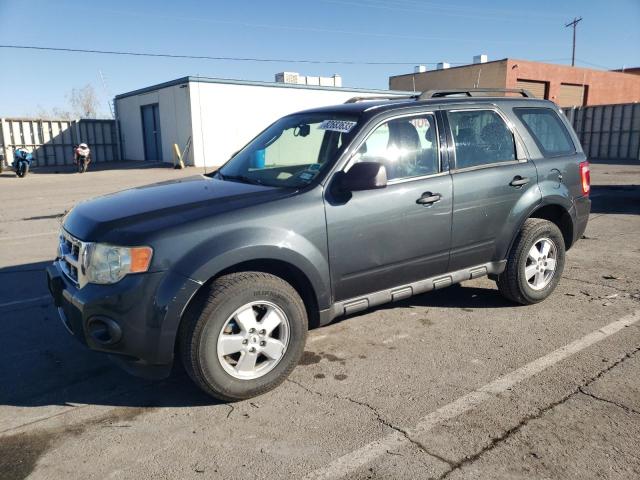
column 419, row 69
column 480, row 58
column 442, row 65
column 287, row 77
column 313, row 80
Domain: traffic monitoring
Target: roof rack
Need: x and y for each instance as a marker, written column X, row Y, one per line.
column 383, row 97
column 469, row 92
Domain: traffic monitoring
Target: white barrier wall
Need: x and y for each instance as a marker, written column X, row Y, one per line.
column 608, row 131
column 51, row 141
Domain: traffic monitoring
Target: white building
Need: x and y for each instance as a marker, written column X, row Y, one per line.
column 214, row 117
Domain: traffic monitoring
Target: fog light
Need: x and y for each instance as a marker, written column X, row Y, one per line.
column 104, row 331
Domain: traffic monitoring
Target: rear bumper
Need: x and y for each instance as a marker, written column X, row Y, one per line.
column 582, row 209
column 136, row 320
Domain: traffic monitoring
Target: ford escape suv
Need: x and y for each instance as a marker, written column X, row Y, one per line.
column 325, row 213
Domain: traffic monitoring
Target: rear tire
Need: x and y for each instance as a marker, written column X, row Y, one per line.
column 237, row 313
column 535, row 263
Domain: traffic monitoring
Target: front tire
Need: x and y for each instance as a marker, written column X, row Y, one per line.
column 22, row 170
column 243, row 336
column 535, row 263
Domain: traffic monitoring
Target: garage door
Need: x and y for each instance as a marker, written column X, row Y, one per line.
column 539, row 89
column 571, row 95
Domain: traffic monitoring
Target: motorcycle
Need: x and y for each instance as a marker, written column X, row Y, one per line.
column 22, row 162
column 82, row 153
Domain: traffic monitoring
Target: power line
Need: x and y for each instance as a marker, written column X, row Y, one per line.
column 207, row 57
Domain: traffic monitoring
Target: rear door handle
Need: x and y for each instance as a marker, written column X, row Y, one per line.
column 429, row 198
column 519, row 181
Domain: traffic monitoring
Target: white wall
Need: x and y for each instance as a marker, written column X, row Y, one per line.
column 175, row 121
column 227, row 116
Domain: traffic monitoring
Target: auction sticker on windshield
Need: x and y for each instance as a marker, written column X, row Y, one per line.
column 343, row 126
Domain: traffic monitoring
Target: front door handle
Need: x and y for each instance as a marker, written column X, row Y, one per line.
column 519, row 181
column 429, row 198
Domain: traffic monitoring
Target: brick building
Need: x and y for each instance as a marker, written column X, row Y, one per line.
column 567, row 86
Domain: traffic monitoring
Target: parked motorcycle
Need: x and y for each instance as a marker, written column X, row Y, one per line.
column 22, row 162
column 83, row 157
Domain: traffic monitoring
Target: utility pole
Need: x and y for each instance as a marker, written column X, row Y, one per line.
column 574, row 24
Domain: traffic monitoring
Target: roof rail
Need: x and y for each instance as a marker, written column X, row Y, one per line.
column 470, row 91
column 382, row 97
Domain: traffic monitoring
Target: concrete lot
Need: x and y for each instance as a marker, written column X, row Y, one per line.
column 452, row 384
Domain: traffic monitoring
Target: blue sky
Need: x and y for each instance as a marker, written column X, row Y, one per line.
column 409, row 31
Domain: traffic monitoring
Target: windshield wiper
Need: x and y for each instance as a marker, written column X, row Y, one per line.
column 240, row 178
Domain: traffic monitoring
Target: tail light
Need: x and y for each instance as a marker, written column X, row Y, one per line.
column 585, row 177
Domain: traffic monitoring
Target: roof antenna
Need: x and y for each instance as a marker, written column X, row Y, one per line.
column 106, row 91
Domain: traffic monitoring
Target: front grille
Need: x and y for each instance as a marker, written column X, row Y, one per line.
column 70, row 258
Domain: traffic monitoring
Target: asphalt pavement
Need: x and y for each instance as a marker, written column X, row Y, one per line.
column 456, row 383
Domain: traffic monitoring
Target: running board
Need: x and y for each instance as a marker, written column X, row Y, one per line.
column 363, row 302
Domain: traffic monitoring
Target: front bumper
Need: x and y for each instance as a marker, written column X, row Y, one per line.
column 136, row 320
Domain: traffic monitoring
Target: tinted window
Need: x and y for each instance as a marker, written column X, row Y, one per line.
column 547, row 130
column 481, row 137
column 407, row 147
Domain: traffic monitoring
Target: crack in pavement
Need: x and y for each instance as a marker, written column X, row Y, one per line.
column 499, row 440
column 579, row 280
column 605, row 400
column 380, row 419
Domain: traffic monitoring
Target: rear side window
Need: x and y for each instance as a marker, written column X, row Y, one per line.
column 481, row 138
column 547, row 130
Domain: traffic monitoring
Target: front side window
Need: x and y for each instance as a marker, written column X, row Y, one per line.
column 407, row 147
column 547, row 130
column 292, row 152
column 481, row 138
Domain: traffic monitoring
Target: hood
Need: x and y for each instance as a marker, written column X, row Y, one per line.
column 150, row 208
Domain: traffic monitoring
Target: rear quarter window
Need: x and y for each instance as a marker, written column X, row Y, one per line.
column 547, row 130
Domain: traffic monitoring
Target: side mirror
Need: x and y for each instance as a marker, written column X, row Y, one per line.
column 364, row 176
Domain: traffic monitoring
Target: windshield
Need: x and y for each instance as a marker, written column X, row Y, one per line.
column 292, row 152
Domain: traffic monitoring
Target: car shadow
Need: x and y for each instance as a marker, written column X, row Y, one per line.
column 43, row 365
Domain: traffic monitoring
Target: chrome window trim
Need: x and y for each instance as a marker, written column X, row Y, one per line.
column 394, row 181
column 518, row 144
column 487, row 165
column 397, row 181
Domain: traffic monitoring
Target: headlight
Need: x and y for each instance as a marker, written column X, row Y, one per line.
column 109, row 264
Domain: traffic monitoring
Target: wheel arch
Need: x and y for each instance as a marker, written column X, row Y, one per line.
column 280, row 268
column 560, row 216
column 556, row 213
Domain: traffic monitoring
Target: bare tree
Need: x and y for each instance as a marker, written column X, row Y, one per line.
column 84, row 101
column 55, row 113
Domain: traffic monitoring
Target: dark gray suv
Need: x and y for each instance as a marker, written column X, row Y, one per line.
column 325, row 213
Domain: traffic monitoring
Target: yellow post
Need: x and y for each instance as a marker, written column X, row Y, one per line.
column 177, row 157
